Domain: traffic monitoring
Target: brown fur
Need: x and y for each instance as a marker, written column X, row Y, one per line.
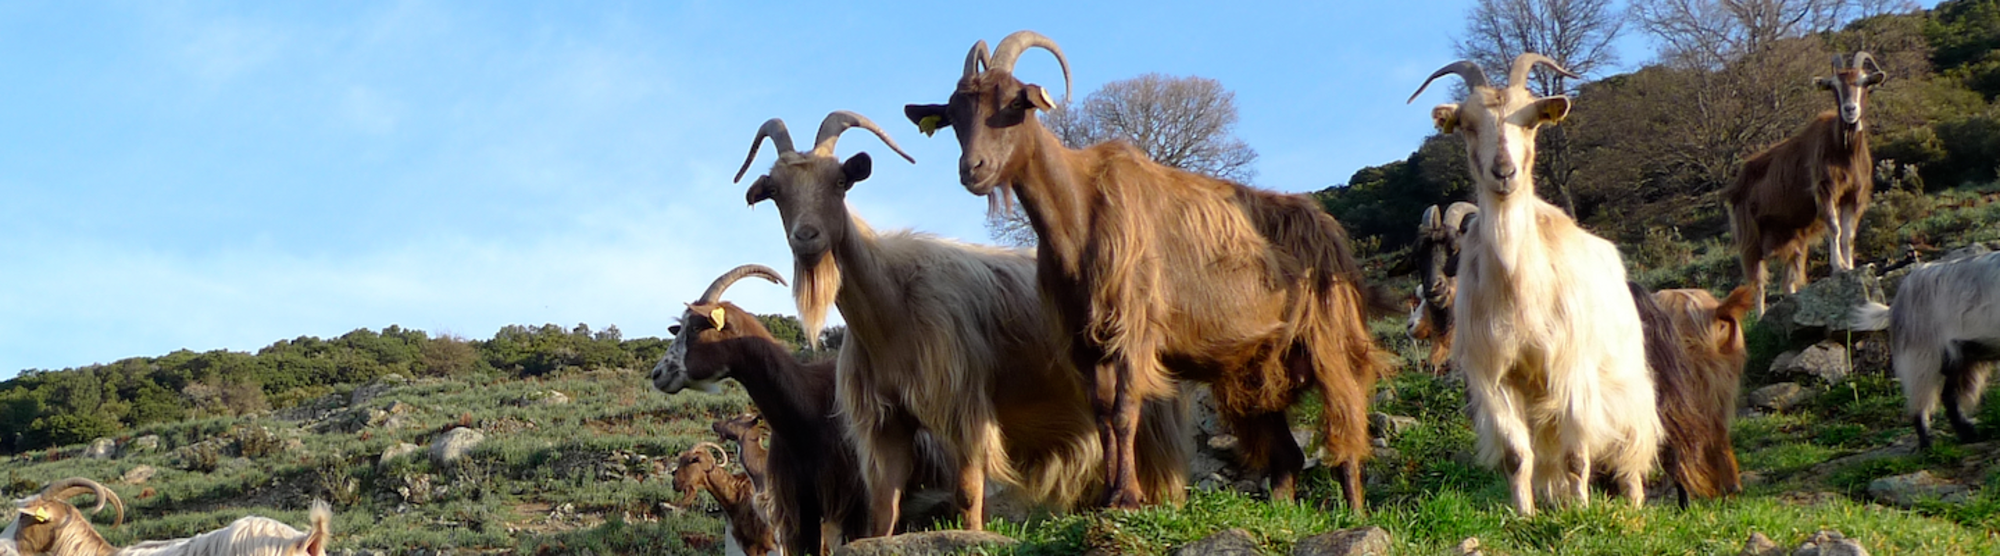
column 1160, row 274
column 1788, row 195
column 748, row 432
column 47, row 524
column 1694, row 346
column 697, row 471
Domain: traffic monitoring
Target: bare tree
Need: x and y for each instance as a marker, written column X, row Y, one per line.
column 1183, row 122
column 1711, row 34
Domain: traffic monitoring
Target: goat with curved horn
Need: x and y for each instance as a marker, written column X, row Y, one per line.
column 975, row 58
column 1011, row 48
column 842, row 120
column 1474, row 77
column 773, row 128
column 722, row 283
column 721, row 454
column 66, row 488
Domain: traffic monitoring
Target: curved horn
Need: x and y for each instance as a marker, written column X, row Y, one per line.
column 975, row 58
column 722, row 283
column 1431, row 221
column 1838, row 64
column 841, row 120
column 773, row 128
column 1470, row 72
column 1518, row 76
column 65, row 489
column 1454, row 216
column 1863, row 57
column 722, row 455
column 1010, row 49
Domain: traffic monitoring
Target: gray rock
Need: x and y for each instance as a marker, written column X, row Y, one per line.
column 1823, row 305
column 1830, row 543
column 1904, row 491
column 1826, row 360
column 454, row 444
column 1361, row 541
column 376, row 388
column 541, row 398
column 1777, row 397
column 929, row 543
column 1760, row 545
column 1468, row 547
column 1383, row 425
column 399, row 450
column 139, row 475
column 102, row 448
column 1228, row 542
column 141, row 445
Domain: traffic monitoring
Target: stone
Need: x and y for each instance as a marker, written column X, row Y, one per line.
column 928, row 543
column 1826, row 360
column 141, row 445
column 102, row 448
column 1822, row 306
column 1830, row 543
column 1905, row 491
column 1360, row 541
column 139, row 475
column 399, row 450
column 1760, row 545
column 542, row 398
column 375, row 388
column 1468, row 547
column 1383, row 425
column 1228, row 542
column 1777, row 397
column 454, row 444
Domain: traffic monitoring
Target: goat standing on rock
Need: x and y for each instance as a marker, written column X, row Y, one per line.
column 1816, row 182
column 1156, row 274
column 1546, row 332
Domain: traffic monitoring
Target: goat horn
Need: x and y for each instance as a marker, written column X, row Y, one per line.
column 1010, row 49
column 65, row 489
column 1861, row 58
column 1454, row 216
column 842, row 120
column 721, row 454
column 1518, row 76
column 975, row 58
column 1431, row 219
column 1838, row 64
column 773, row 128
column 1470, row 72
column 722, row 283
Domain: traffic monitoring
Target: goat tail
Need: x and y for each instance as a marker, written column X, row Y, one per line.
column 1870, row 316
column 321, row 529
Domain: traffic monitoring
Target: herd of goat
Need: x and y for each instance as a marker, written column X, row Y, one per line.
column 1059, row 373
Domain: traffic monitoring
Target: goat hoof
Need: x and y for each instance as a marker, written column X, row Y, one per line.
column 1122, row 500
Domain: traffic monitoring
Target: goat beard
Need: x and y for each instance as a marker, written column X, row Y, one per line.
column 814, row 287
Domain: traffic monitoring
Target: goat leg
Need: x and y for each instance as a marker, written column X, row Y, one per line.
column 972, row 493
column 1122, row 490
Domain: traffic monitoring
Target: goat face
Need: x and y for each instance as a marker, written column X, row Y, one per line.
column 811, row 194
column 1499, row 124
column 738, row 428
column 990, row 111
column 691, row 470
column 1850, row 84
column 699, row 358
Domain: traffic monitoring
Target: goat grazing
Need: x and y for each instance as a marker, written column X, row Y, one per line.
column 1155, row 274
column 696, row 470
column 813, row 477
column 1816, row 182
column 1436, row 258
column 942, row 337
column 748, row 432
column 1694, row 346
column 1547, row 333
column 46, row 524
column 1944, row 338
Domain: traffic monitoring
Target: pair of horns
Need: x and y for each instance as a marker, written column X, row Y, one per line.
column 1009, row 52
column 721, row 284
column 1862, row 61
column 829, row 133
column 1476, row 78
column 68, row 488
column 721, row 455
column 1452, row 218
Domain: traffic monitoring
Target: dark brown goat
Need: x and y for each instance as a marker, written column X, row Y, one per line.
column 814, row 476
column 748, row 432
column 695, row 470
column 1694, row 346
column 1157, row 274
column 1817, row 182
column 1436, row 262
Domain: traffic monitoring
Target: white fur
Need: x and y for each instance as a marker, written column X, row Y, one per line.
column 1939, row 306
column 247, row 536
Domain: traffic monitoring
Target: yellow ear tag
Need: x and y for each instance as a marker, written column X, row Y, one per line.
column 717, row 316
column 41, row 515
column 929, row 125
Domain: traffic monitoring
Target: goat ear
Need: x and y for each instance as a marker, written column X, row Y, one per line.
column 857, row 168
column 1551, row 110
column 1824, row 83
column 1445, row 117
column 928, row 117
column 1737, row 304
column 759, row 191
column 1875, row 78
column 1038, row 97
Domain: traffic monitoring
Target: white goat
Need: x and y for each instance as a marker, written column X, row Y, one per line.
column 1548, row 335
column 248, row 536
column 1945, row 338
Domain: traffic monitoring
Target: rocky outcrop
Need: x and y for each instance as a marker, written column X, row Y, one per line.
column 454, row 444
column 928, row 543
column 1905, row 491
column 1228, row 542
column 1360, row 541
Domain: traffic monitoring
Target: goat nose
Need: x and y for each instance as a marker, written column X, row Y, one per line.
column 805, row 234
column 1503, row 169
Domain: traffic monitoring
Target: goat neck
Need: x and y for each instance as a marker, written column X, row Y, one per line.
column 1047, row 179
column 869, row 292
column 777, row 384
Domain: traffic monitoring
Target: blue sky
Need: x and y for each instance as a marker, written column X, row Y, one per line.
column 219, row 176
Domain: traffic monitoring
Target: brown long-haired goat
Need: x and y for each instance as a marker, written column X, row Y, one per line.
column 46, row 524
column 1694, row 346
column 696, row 470
column 1815, row 182
column 748, row 432
column 1156, row 274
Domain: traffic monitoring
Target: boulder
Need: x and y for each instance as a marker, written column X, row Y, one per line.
column 928, row 543
column 1760, row 545
column 1777, row 397
column 1228, row 542
column 454, row 444
column 141, row 445
column 139, row 475
column 1467, row 547
column 1830, row 543
column 102, row 448
column 376, row 388
column 1826, row 360
column 1383, row 425
column 1823, row 305
column 541, row 398
column 1904, row 491
column 1360, row 541
column 399, row 450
